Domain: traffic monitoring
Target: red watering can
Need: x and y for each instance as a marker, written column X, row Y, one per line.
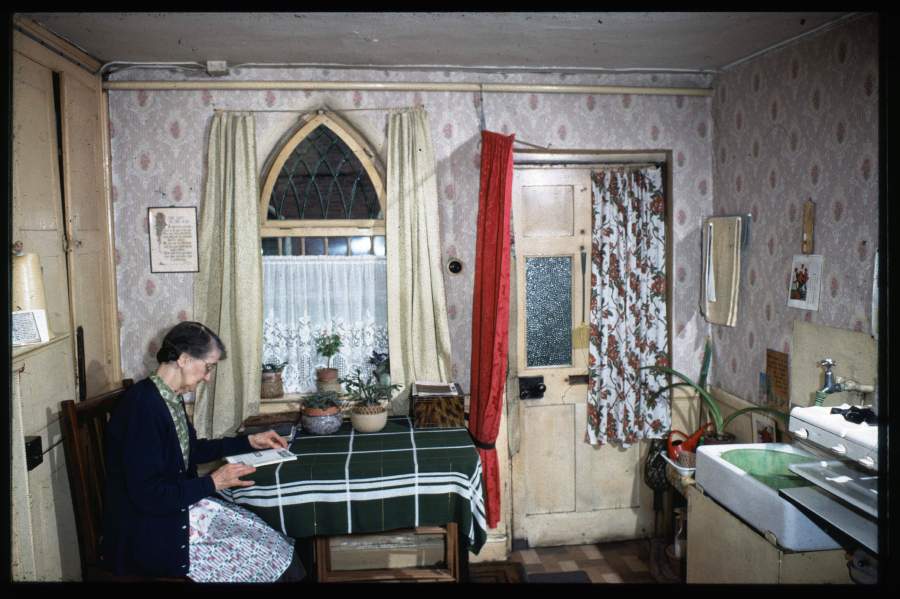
column 676, row 446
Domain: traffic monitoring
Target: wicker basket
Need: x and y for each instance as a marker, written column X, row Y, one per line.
column 271, row 385
column 687, row 459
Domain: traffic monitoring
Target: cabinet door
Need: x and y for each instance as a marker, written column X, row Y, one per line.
column 91, row 280
column 37, row 219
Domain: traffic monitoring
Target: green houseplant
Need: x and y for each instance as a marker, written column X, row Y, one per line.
column 328, row 346
column 321, row 413
column 272, row 384
column 368, row 414
column 717, row 424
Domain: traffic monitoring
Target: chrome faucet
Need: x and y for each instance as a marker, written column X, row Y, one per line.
column 830, row 385
column 838, row 384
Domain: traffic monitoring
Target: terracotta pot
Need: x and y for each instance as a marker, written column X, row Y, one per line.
column 326, row 375
column 321, row 422
column 271, row 385
column 368, row 419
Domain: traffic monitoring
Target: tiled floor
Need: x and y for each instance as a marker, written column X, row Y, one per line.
column 619, row 562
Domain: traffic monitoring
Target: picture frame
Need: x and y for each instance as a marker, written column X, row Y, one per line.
column 805, row 281
column 173, row 239
column 29, row 327
column 764, row 428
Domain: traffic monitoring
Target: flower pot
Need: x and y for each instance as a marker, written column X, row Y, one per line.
column 321, row 422
column 271, row 385
column 368, row 419
column 718, row 439
column 327, row 380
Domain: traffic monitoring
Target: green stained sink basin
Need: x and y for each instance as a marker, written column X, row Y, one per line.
column 768, row 467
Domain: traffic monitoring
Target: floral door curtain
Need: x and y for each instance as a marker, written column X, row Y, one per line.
column 628, row 317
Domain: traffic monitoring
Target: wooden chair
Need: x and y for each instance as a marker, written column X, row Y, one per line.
column 83, row 428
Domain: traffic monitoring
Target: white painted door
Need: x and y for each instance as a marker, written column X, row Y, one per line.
column 564, row 490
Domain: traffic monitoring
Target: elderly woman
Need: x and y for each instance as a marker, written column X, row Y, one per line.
column 160, row 518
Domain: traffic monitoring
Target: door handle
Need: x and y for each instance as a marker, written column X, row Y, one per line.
column 531, row 387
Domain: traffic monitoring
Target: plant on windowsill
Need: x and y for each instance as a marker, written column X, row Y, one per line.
column 381, row 366
column 326, row 377
column 272, row 385
column 321, row 413
column 711, row 432
column 369, row 415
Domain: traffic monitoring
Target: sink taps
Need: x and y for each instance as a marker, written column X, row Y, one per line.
column 838, row 384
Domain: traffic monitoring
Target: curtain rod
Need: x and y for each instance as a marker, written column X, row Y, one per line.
column 402, row 86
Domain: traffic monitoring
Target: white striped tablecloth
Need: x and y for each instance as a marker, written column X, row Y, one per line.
column 350, row 482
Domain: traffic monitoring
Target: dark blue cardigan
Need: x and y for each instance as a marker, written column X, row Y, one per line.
column 149, row 487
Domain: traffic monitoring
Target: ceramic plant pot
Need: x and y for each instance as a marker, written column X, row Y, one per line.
column 321, row 422
column 271, row 385
column 368, row 419
column 327, row 380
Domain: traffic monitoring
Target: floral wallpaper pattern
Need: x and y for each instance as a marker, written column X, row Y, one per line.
column 158, row 147
column 798, row 123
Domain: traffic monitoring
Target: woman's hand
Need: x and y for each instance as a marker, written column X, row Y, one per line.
column 229, row 475
column 266, row 440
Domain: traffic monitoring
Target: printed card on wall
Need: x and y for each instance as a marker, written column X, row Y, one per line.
column 173, row 239
column 777, row 379
column 806, row 280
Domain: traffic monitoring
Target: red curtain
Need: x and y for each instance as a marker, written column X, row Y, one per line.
column 490, row 312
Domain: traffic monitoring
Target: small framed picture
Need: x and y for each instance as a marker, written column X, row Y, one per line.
column 173, row 239
column 806, row 281
column 764, row 429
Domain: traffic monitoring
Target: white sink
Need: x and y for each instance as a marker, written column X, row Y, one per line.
column 754, row 497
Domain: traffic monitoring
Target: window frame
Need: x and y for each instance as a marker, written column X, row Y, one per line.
column 323, row 227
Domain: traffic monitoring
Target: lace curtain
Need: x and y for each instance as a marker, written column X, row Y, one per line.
column 305, row 296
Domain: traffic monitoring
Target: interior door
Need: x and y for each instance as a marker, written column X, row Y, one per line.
column 564, row 490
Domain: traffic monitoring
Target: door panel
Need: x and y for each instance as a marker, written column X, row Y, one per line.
column 564, row 490
column 37, row 204
column 92, row 289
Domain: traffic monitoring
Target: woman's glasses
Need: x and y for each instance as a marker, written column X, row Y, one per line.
column 209, row 366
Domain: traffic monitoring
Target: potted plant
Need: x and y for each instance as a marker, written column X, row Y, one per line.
column 328, row 346
column 368, row 415
column 712, row 432
column 321, row 413
column 272, row 384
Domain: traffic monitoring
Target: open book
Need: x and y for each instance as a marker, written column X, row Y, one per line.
column 263, row 457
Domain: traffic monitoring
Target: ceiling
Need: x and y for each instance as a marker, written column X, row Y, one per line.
column 579, row 41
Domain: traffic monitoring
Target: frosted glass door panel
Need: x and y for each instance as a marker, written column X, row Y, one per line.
column 548, row 311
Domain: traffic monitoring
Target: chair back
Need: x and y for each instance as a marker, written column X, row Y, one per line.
column 83, row 430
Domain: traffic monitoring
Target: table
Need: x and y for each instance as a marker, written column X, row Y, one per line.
column 350, row 482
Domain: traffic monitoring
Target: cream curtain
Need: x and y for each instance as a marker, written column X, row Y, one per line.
column 419, row 336
column 228, row 288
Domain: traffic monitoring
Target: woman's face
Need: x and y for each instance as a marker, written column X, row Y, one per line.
column 194, row 370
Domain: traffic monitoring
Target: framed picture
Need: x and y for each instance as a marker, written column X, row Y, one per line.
column 29, row 326
column 764, row 429
column 173, row 239
column 806, row 281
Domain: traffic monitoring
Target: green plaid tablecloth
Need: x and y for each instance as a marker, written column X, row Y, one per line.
column 350, row 482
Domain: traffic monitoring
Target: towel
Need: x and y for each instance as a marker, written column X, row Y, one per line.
column 721, row 269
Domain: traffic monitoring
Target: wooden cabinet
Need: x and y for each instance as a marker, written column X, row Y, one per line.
column 723, row 549
column 61, row 212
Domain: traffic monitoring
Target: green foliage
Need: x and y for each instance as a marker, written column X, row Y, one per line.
column 322, row 400
column 328, row 345
column 701, row 388
column 368, row 392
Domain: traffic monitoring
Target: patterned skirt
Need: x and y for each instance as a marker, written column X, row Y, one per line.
column 230, row 544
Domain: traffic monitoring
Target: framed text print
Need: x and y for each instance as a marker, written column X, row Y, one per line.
column 173, row 239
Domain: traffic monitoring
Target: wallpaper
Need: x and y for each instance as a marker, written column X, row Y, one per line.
column 158, row 147
column 798, row 123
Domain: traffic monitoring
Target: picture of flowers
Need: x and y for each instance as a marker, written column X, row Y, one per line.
column 806, row 279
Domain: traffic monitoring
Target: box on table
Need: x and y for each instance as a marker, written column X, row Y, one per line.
column 437, row 405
